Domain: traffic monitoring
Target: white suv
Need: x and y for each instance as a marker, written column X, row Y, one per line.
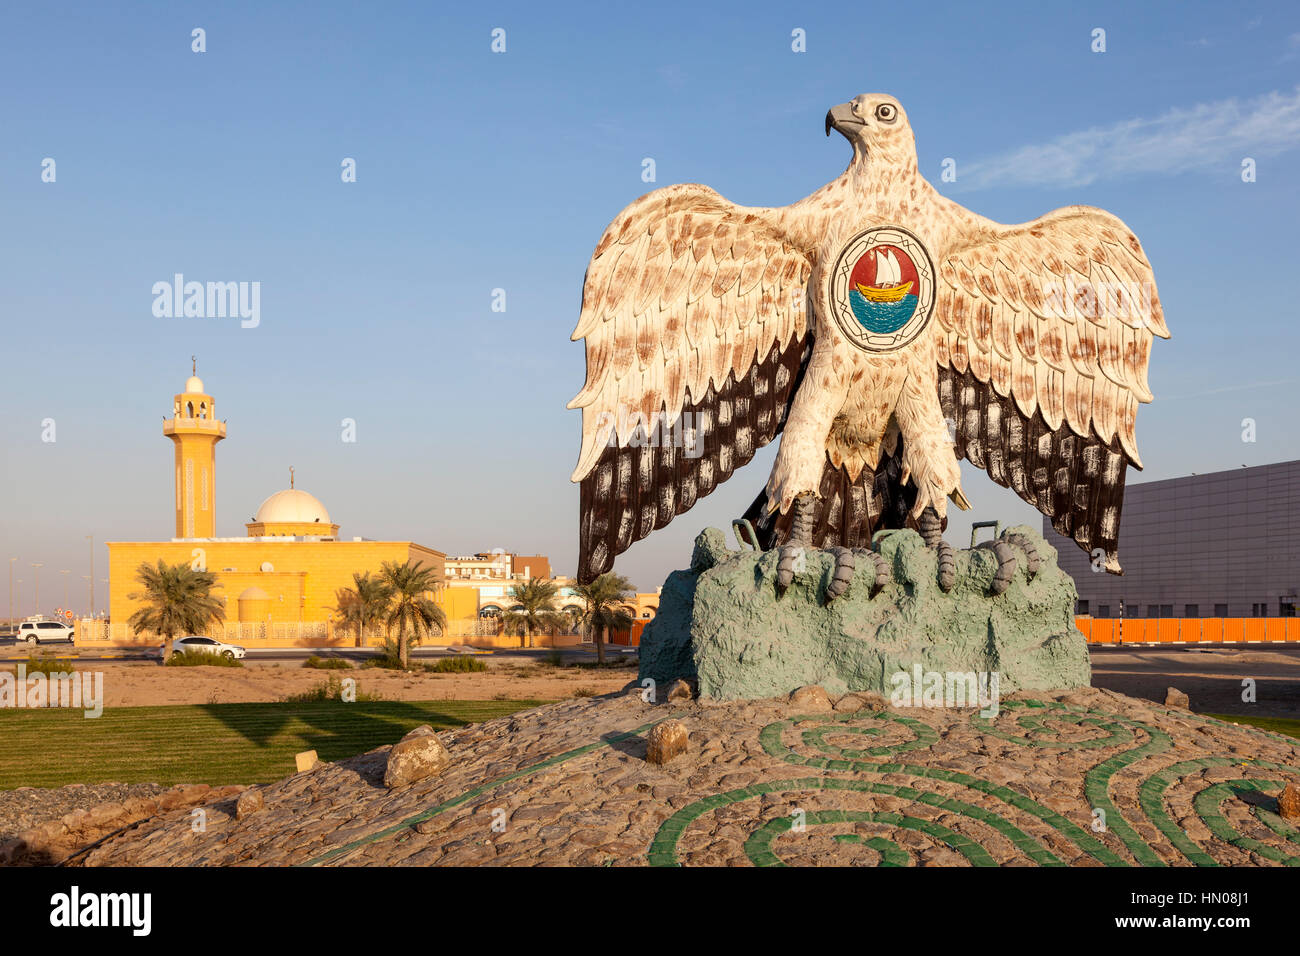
column 43, row 632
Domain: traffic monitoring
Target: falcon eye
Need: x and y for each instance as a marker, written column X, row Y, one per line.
column 885, row 113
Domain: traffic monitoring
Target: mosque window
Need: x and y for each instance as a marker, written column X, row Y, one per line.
column 189, row 409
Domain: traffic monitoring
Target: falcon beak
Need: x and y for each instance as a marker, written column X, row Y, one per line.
column 841, row 118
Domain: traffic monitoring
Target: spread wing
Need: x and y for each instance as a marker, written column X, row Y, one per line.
column 1043, row 340
column 694, row 312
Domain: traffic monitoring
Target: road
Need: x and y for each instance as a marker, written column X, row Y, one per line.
column 12, row 650
column 1211, row 675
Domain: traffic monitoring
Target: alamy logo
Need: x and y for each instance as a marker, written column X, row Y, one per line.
column 686, row 433
column 919, row 688
column 208, row 300
column 72, row 909
column 73, row 689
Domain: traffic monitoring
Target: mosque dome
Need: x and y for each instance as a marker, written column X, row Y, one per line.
column 194, row 386
column 292, row 505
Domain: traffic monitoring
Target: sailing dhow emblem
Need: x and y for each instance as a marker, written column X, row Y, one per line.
column 883, row 289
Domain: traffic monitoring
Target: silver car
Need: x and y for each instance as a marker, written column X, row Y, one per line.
column 193, row 644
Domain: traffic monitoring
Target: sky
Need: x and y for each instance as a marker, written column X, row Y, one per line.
column 479, row 171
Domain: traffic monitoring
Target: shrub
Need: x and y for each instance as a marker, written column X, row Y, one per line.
column 612, row 663
column 554, row 659
column 48, row 664
column 389, row 658
column 584, row 692
column 332, row 689
column 203, row 659
column 456, row 665
column 327, row 663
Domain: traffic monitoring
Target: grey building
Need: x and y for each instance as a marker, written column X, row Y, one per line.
column 1226, row 544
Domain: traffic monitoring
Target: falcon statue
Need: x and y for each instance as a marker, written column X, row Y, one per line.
column 883, row 332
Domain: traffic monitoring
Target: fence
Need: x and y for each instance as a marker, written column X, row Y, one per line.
column 1188, row 630
column 311, row 634
column 476, row 633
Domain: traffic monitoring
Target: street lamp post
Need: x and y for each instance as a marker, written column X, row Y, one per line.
column 11, row 590
column 67, row 589
column 91, row 539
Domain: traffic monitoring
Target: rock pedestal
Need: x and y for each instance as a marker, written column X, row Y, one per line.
column 722, row 623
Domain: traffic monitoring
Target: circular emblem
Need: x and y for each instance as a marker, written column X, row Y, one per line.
column 882, row 289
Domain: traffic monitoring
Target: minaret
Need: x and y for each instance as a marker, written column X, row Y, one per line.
column 195, row 431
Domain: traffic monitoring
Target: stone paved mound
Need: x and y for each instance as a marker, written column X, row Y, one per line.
column 1084, row 778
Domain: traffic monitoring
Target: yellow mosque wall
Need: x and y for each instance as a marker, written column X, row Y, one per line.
column 460, row 604
column 301, row 588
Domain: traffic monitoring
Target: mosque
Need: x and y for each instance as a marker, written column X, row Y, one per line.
column 280, row 581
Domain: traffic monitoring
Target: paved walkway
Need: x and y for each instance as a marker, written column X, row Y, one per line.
column 1087, row 778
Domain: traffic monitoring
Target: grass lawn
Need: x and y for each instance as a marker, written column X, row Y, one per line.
column 212, row 743
column 1278, row 725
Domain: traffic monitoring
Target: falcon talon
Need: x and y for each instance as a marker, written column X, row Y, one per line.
column 790, row 557
column 947, row 566
column 1032, row 560
column 1006, row 565
column 842, row 575
column 881, row 565
column 931, row 527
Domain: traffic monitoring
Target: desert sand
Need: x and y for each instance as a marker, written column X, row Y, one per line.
column 147, row 684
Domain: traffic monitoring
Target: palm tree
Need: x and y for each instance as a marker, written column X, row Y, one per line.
column 604, row 599
column 364, row 605
column 533, row 610
column 178, row 600
column 410, row 606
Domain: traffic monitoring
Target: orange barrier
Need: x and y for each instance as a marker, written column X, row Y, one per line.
column 1188, row 630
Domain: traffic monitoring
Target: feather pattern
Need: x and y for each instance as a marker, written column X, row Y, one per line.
column 1076, row 481
column 682, row 271
column 706, row 443
column 1078, row 320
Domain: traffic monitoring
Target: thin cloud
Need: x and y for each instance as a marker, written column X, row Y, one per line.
column 1208, row 136
column 1251, row 386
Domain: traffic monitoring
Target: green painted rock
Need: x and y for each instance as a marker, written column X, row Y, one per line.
column 722, row 623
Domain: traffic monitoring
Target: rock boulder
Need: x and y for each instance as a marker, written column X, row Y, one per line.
column 722, row 622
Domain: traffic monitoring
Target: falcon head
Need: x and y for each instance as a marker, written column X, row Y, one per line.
column 875, row 125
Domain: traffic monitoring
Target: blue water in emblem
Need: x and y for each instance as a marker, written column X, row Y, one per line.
column 882, row 317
